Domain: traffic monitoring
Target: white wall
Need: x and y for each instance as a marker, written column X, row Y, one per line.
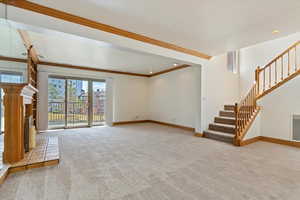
column 42, row 100
column 275, row 118
column 278, row 108
column 254, row 130
column 130, row 98
column 173, row 97
column 130, row 93
column 219, row 87
column 181, row 96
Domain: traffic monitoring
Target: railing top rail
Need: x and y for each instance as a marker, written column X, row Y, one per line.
column 247, row 94
column 57, row 101
column 280, row 55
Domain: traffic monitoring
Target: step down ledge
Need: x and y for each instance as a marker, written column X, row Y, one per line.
column 224, row 125
column 219, row 136
column 227, row 135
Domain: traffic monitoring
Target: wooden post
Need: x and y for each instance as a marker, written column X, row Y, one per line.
column 14, row 124
column 28, row 126
column 257, row 71
column 236, row 138
column 14, row 100
column 29, row 65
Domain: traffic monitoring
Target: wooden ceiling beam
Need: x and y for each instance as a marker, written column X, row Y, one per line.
column 28, row 44
column 170, row 70
column 53, row 64
column 27, row 5
column 90, row 69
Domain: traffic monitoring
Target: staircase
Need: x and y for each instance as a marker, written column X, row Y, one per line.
column 234, row 121
column 223, row 128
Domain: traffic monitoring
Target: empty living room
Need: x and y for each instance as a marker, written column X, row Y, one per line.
column 149, row 100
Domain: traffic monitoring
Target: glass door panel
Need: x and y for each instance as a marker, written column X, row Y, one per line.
column 77, row 103
column 56, row 103
column 98, row 102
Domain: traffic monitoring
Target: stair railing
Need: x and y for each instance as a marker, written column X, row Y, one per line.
column 244, row 111
column 277, row 72
column 280, row 70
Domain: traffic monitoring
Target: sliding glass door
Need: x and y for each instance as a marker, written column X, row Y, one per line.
column 75, row 102
column 56, row 103
column 98, row 102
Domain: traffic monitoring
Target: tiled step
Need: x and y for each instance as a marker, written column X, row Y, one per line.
column 226, row 114
column 229, row 107
column 220, row 136
column 222, row 128
column 225, row 120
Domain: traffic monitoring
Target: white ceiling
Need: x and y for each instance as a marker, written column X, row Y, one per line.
column 11, row 42
column 65, row 48
column 210, row 26
column 70, row 49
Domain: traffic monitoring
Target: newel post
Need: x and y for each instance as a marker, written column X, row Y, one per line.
column 257, row 71
column 236, row 138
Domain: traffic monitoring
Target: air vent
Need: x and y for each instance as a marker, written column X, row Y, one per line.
column 296, row 127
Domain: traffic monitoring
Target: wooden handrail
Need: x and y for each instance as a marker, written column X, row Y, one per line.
column 279, row 70
column 282, row 54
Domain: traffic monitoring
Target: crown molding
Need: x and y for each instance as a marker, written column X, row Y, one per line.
column 62, row 65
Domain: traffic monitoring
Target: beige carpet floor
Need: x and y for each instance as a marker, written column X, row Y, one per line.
column 153, row 162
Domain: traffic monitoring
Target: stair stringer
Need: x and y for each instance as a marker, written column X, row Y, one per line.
column 251, row 130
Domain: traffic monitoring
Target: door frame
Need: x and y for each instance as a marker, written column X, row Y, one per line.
column 90, row 100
